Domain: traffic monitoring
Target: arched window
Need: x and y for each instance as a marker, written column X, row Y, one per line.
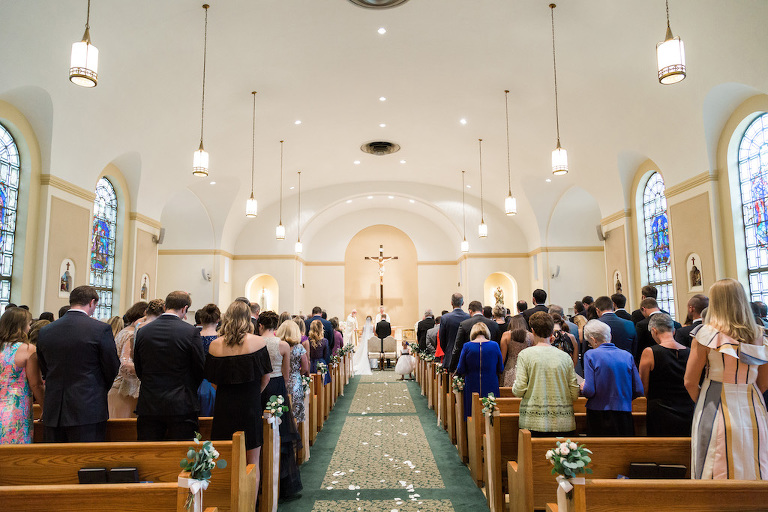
column 9, row 193
column 753, row 181
column 103, row 246
column 657, row 251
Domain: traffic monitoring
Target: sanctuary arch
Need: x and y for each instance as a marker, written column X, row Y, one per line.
column 508, row 286
column 361, row 276
column 264, row 290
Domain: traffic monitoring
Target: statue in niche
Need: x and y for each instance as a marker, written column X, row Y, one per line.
column 618, row 283
column 498, row 294
column 144, row 289
column 66, row 281
column 263, row 299
column 695, row 274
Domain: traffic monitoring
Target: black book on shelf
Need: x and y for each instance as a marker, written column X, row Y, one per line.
column 643, row 470
column 92, row 475
column 672, row 471
column 123, row 476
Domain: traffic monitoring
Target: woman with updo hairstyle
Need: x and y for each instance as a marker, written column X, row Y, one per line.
column 280, row 358
column 238, row 363
column 318, row 348
column 122, row 398
column 515, row 339
column 20, row 378
column 208, row 317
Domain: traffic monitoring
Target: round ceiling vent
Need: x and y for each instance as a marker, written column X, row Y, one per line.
column 380, row 147
column 378, row 4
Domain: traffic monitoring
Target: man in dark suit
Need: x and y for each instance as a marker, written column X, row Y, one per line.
column 79, row 363
column 465, row 327
column 521, row 306
column 382, row 330
column 696, row 305
column 623, row 333
column 648, row 307
column 647, row 292
column 169, row 360
column 449, row 326
column 423, row 326
column 317, row 312
column 619, row 303
column 539, row 298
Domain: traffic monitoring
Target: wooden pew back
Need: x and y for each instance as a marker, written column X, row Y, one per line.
column 124, row 430
column 92, row 497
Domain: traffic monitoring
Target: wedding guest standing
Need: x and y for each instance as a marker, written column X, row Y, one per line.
column 318, row 348
column 546, row 381
column 480, row 364
column 20, row 378
column 513, row 341
column 662, row 370
column 289, row 333
column 79, row 363
column 124, row 394
column 338, row 337
column 730, row 422
column 169, row 360
column 210, row 316
column 611, row 382
column 238, row 363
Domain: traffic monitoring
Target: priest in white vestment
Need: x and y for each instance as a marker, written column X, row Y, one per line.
column 350, row 329
column 381, row 316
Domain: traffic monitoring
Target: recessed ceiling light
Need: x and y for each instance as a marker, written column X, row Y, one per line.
column 402, row 161
column 469, row 186
column 382, row 31
column 213, row 183
column 411, row 201
column 356, row 162
column 298, row 121
column 382, row 98
column 548, row 180
column 391, row 197
column 370, row 197
column 382, row 125
column 292, row 188
column 349, row 201
column 463, row 121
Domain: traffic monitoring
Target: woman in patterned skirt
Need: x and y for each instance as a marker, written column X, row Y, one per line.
column 730, row 422
column 289, row 332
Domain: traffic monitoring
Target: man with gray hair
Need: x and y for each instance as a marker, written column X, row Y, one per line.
column 423, row 326
column 572, row 327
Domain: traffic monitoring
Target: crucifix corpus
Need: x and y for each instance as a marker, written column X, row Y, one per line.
column 381, row 260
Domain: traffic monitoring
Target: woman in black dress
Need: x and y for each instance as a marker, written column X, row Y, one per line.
column 662, row 368
column 238, row 363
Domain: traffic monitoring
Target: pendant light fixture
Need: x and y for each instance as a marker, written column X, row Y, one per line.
column 84, row 60
column 464, row 243
column 280, row 229
column 510, row 203
column 482, row 229
column 298, row 247
column 251, row 205
column 559, row 155
column 200, row 159
column 670, row 57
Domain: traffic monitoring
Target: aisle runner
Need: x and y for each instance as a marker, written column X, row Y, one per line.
column 380, row 451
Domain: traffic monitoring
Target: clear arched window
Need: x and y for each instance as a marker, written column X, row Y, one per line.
column 657, row 249
column 103, row 246
column 9, row 194
column 753, row 181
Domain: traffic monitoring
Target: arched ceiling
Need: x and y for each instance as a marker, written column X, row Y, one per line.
column 323, row 62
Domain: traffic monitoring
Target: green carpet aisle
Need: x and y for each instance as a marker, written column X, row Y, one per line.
column 381, row 450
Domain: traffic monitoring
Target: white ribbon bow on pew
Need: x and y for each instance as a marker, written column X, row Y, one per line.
column 275, row 422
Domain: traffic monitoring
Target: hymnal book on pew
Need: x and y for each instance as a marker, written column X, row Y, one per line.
column 123, row 476
column 92, row 475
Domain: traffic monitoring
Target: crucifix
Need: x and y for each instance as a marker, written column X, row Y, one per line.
column 381, row 259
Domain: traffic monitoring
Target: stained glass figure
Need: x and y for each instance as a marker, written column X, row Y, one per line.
column 9, row 194
column 657, row 248
column 103, row 246
column 753, row 181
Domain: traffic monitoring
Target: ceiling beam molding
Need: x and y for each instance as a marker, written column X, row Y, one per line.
column 138, row 217
column 691, row 183
column 623, row 214
column 54, row 181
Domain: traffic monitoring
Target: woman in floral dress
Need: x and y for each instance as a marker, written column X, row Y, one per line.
column 289, row 332
column 20, row 378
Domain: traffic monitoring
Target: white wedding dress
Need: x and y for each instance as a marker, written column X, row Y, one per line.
column 360, row 363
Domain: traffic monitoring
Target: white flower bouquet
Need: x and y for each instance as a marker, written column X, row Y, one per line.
column 199, row 463
column 569, row 459
column 275, row 406
column 322, row 369
column 489, row 405
column 458, row 383
column 306, row 381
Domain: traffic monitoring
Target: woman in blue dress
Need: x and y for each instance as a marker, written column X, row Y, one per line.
column 319, row 352
column 480, row 364
column 210, row 316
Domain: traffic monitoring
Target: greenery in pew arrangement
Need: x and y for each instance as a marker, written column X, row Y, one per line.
column 428, row 357
column 335, row 359
column 439, row 369
column 199, row 463
column 347, row 349
column 306, row 380
column 414, row 347
column 458, row 383
column 569, row 459
column 322, row 369
column 489, row 405
column 275, row 406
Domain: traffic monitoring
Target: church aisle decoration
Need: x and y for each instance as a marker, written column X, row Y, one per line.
column 428, row 358
column 322, row 369
column 199, row 463
column 276, row 406
column 439, row 370
column 489, row 405
column 458, row 384
column 306, row 381
column 569, row 459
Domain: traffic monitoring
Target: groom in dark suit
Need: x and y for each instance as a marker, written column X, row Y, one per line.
column 79, row 363
column 169, row 360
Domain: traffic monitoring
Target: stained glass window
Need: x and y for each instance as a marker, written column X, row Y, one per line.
column 753, row 181
column 103, row 246
column 9, row 194
column 657, row 251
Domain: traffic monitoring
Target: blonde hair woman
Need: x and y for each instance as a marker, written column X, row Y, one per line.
column 480, row 363
column 238, row 363
column 290, row 333
column 730, row 422
column 318, row 348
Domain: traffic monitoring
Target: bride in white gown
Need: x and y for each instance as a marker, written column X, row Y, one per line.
column 361, row 364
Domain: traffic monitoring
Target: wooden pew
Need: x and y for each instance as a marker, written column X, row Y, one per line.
column 430, row 384
column 532, row 485
column 603, row 495
column 461, row 426
column 312, row 413
column 92, row 497
column 317, row 381
column 450, row 411
column 122, row 430
column 232, row 488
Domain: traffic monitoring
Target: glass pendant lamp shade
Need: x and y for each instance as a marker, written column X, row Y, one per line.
column 559, row 161
column 298, row 248
column 84, row 63
column 280, row 232
column 251, row 207
column 670, row 56
column 464, row 246
column 482, row 229
column 200, row 161
column 510, row 205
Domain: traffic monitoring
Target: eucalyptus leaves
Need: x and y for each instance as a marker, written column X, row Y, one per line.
column 322, row 369
column 569, row 459
column 275, row 406
column 306, row 381
column 199, row 463
column 458, row 383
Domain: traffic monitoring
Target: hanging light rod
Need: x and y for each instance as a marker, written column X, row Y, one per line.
column 298, row 248
column 510, row 203
column 670, row 57
column 559, row 155
column 464, row 243
column 251, row 205
column 200, row 159
column 280, row 229
column 482, row 229
column 84, row 60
